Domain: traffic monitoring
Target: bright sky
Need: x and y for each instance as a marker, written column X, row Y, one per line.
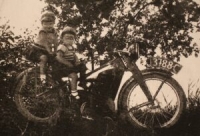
column 24, row 14
column 21, row 14
column 197, row 1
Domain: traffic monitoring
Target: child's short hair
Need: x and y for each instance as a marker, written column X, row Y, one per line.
column 68, row 30
column 48, row 16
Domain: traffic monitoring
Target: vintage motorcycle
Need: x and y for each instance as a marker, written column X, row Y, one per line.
column 148, row 98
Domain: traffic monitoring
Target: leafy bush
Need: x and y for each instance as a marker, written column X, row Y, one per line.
column 168, row 24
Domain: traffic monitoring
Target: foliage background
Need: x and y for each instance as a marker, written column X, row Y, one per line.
column 103, row 25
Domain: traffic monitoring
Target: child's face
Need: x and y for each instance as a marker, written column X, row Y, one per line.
column 68, row 39
column 48, row 24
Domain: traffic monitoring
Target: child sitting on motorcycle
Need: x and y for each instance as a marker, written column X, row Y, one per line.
column 69, row 65
column 45, row 43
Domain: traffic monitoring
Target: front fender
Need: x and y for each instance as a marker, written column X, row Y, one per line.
column 157, row 71
column 146, row 72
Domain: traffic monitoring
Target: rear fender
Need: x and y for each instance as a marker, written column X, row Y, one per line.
column 20, row 75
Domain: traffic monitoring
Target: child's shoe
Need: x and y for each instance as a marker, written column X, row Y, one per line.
column 43, row 79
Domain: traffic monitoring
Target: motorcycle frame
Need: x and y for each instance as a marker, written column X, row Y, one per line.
column 131, row 72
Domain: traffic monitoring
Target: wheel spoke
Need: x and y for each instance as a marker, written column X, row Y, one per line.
column 163, row 111
column 158, row 121
column 140, row 116
column 145, row 119
column 152, row 119
column 36, row 102
column 163, row 115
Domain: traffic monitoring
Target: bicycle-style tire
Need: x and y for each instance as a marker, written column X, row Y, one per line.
column 169, row 105
column 44, row 108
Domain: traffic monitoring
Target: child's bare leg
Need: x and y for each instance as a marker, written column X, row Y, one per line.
column 74, row 91
column 43, row 62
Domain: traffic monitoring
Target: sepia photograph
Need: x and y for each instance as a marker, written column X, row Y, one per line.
column 99, row 67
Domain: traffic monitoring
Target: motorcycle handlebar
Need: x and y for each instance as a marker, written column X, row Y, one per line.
column 123, row 52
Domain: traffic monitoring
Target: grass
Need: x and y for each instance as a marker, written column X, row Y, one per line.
column 189, row 124
column 13, row 124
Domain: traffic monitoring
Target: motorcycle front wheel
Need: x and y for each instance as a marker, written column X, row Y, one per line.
column 35, row 101
column 163, row 112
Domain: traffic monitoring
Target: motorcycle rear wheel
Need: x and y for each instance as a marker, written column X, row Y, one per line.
column 32, row 102
column 166, row 109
